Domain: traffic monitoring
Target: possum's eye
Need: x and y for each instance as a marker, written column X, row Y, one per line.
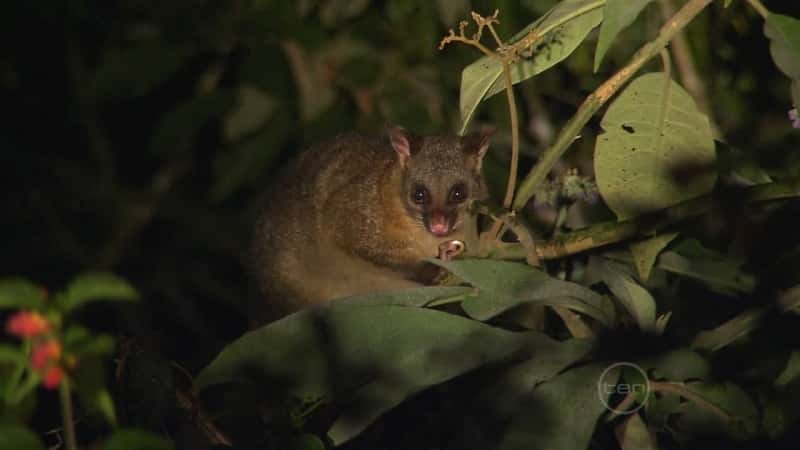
column 458, row 193
column 420, row 195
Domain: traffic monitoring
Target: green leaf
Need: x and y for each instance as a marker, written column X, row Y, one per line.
column 90, row 384
column 129, row 439
column 636, row 300
column 80, row 341
column 790, row 373
column 696, row 419
column 657, row 149
column 560, row 414
column 177, row 128
column 411, row 347
column 420, row 296
column 677, row 365
column 632, row 434
column 18, row 293
column 645, row 253
column 617, row 14
column 253, row 110
column 728, row 3
column 730, row 331
column 503, row 285
column 12, row 354
column 14, row 437
column 94, row 286
column 561, row 30
column 721, row 275
column 784, row 34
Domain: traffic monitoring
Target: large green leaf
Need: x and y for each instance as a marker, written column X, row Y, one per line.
column 617, row 14
column 561, row 30
column 19, row 293
column 560, row 414
column 405, row 349
column 503, row 285
column 657, row 149
column 94, row 286
column 784, row 34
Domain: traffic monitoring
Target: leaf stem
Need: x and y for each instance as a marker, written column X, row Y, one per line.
column 66, row 414
column 600, row 96
column 512, row 111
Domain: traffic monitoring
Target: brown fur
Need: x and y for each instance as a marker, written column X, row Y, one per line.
column 340, row 219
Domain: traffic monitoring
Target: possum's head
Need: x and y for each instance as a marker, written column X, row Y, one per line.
column 441, row 175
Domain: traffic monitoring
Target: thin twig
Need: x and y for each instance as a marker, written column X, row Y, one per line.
column 66, row 414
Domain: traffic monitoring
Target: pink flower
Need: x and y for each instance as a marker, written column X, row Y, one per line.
column 27, row 324
column 44, row 354
column 793, row 116
column 52, row 378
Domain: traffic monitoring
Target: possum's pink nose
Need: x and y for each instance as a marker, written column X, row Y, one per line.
column 437, row 224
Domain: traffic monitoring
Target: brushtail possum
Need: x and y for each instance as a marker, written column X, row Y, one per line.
column 360, row 214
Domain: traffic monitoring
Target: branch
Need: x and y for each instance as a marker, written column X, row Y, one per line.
column 606, row 233
column 600, row 96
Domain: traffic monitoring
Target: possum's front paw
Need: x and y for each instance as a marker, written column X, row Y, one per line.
column 450, row 249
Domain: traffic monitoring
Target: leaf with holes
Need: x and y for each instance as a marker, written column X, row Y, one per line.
column 657, row 149
column 559, row 33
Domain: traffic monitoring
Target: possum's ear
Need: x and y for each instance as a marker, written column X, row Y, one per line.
column 476, row 144
column 401, row 142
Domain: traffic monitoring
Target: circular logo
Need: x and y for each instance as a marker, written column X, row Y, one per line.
column 607, row 387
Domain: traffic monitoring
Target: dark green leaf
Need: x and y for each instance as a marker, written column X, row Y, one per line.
column 18, row 293
column 11, row 354
column 721, row 275
column 677, row 365
column 253, row 110
column 560, row 414
column 636, row 300
column 177, row 128
column 94, row 286
column 561, row 30
column 503, row 285
column 128, row 439
column 411, row 347
column 657, row 149
column 743, row 418
column 91, row 386
column 139, row 70
column 617, row 14
column 14, row 437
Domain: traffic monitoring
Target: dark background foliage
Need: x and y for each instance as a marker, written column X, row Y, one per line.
column 137, row 135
